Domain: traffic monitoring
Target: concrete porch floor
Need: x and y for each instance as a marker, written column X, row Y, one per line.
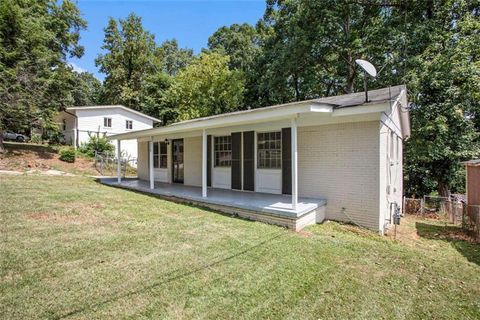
column 271, row 204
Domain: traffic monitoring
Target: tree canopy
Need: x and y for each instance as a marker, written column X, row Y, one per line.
column 206, row 87
column 36, row 37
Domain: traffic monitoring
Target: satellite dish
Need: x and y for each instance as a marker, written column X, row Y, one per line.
column 367, row 67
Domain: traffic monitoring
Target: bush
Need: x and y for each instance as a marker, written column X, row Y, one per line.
column 67, row 154
column 96, row 144
column 36, row 138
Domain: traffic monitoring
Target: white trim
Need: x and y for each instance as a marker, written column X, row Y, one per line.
column 114, row 107
column 119, row 154
column 294, row 164
column 204, row 163
column 151, row 174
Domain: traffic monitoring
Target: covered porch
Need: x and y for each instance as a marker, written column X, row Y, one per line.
column 270, row 208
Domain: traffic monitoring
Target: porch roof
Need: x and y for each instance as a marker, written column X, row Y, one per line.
column 379, row 101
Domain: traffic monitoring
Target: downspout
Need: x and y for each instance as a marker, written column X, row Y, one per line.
column 76, row 127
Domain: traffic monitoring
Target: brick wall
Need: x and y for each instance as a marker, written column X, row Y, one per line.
column 340, row 163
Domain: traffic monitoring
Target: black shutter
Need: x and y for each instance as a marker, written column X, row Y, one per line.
column 209, row 160
column 249, row 160
column 286, row 161
column 236, row 160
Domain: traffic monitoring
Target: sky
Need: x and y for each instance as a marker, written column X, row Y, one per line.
column 191, row 22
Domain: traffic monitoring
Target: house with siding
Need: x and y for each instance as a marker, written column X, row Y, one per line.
column 294, row 164
column 78, row 123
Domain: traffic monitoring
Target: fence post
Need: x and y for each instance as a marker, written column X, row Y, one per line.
column 422, row 206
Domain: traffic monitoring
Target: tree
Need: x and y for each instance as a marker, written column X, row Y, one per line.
column 314, row 44
column 244, row 45
column 36, row 38
column 445, row 94
column 85, row 89
column 129, row 60
column 239, row 42
column 172, row 58
column 206, row 87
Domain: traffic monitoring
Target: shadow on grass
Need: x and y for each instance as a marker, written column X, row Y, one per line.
column 174, row 275
column 453, row 235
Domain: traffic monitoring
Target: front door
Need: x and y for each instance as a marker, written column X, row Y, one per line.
column 177, row 159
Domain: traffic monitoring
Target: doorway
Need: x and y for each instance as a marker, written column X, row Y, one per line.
column 177, row 160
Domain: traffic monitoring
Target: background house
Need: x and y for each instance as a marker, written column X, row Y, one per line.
column 76, row 123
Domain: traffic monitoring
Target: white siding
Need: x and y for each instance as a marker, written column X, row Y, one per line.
column 142, row 166
column 268, row 180
column 340, row 163
column 192, row 155
column 221, row 177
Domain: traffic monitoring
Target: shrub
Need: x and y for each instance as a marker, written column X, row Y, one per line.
column 96, row 144
column 67, row 154
column 36, row 138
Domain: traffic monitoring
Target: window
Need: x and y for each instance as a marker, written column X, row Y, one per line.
column 64, row 124
column 129, row 124
column 223, row 151
column 163, row 155
column 107, row 122
column 269, row 150
column 160, row 155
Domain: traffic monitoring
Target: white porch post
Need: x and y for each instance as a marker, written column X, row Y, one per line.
column 119, row 161
column 294, row 165
column 204, row 163
column 150, row 164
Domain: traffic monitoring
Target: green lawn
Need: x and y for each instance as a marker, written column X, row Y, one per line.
column 71, row 248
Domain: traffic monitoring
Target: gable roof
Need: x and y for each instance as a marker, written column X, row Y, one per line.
column 119, row 106
column 329, row 104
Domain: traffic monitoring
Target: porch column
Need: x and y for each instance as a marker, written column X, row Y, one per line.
column 150, row 163
column 294, row 165
column 119, row 161
column 204, row 163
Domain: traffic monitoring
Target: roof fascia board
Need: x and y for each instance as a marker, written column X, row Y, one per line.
column 372, row 108
column 115, row 107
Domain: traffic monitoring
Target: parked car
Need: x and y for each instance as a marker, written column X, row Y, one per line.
column 9, row 135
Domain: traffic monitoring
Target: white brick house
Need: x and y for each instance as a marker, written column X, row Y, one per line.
column 76, row 123
column 294, row 164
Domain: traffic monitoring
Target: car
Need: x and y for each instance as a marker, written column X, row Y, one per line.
column 10, row 135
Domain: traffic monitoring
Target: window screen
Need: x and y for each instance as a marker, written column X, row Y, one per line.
column 160, row 155
column 269, row 150
column 223, row 151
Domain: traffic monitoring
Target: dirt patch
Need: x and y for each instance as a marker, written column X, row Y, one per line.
column 43, row 160
column 305, row 234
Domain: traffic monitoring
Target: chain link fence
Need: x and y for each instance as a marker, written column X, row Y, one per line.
column 106, row 165
column 453, row 210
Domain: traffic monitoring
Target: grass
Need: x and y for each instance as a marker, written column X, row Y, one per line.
column 72, row 248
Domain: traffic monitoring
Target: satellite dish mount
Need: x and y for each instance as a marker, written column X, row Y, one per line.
column 367, row 68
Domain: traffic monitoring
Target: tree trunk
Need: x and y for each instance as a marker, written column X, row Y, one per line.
column 443, row 190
